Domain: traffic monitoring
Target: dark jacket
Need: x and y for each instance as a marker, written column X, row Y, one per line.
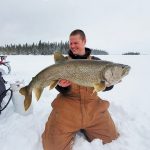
column 64, row 90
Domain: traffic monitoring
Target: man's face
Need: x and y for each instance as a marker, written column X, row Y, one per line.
column 77, row 45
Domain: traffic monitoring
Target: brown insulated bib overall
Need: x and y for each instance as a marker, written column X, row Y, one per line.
column 79, row 109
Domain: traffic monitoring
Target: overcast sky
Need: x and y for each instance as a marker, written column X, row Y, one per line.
column 111, row 25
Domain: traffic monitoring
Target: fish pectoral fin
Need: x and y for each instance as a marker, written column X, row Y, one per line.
column 28, row 98
column 58, row 57
column 99, row 87
column 53, row 84
column 38, row 91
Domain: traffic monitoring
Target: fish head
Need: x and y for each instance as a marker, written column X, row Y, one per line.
column 113, row 73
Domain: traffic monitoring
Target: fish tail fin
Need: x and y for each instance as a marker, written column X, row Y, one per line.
column 38, row 91
column 28, row 97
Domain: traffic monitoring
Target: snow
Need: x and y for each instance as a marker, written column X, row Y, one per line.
column 129, row 107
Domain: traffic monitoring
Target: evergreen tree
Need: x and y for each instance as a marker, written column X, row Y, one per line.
column 41, row 48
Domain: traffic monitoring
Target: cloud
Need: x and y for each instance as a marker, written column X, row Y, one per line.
column 112, row 25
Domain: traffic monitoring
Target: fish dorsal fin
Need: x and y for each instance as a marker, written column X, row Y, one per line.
column 58, row 57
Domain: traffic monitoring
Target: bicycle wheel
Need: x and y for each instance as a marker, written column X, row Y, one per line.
column 5, row 98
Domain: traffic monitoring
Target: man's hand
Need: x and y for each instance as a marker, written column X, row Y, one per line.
column 64, row 83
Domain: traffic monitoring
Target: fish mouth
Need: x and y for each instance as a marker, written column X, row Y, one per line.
column 126, row 70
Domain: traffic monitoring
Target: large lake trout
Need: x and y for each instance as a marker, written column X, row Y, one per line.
column 90, row 73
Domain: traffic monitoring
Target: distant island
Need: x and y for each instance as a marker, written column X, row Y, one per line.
column 131, row 53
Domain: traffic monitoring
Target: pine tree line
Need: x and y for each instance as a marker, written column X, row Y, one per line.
column 41, row 48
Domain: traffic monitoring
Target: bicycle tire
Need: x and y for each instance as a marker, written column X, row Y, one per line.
column 4, row 93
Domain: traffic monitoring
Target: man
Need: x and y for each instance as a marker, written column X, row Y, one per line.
column 77, row 108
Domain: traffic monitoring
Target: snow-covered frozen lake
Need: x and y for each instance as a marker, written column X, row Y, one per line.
column 129, row 107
